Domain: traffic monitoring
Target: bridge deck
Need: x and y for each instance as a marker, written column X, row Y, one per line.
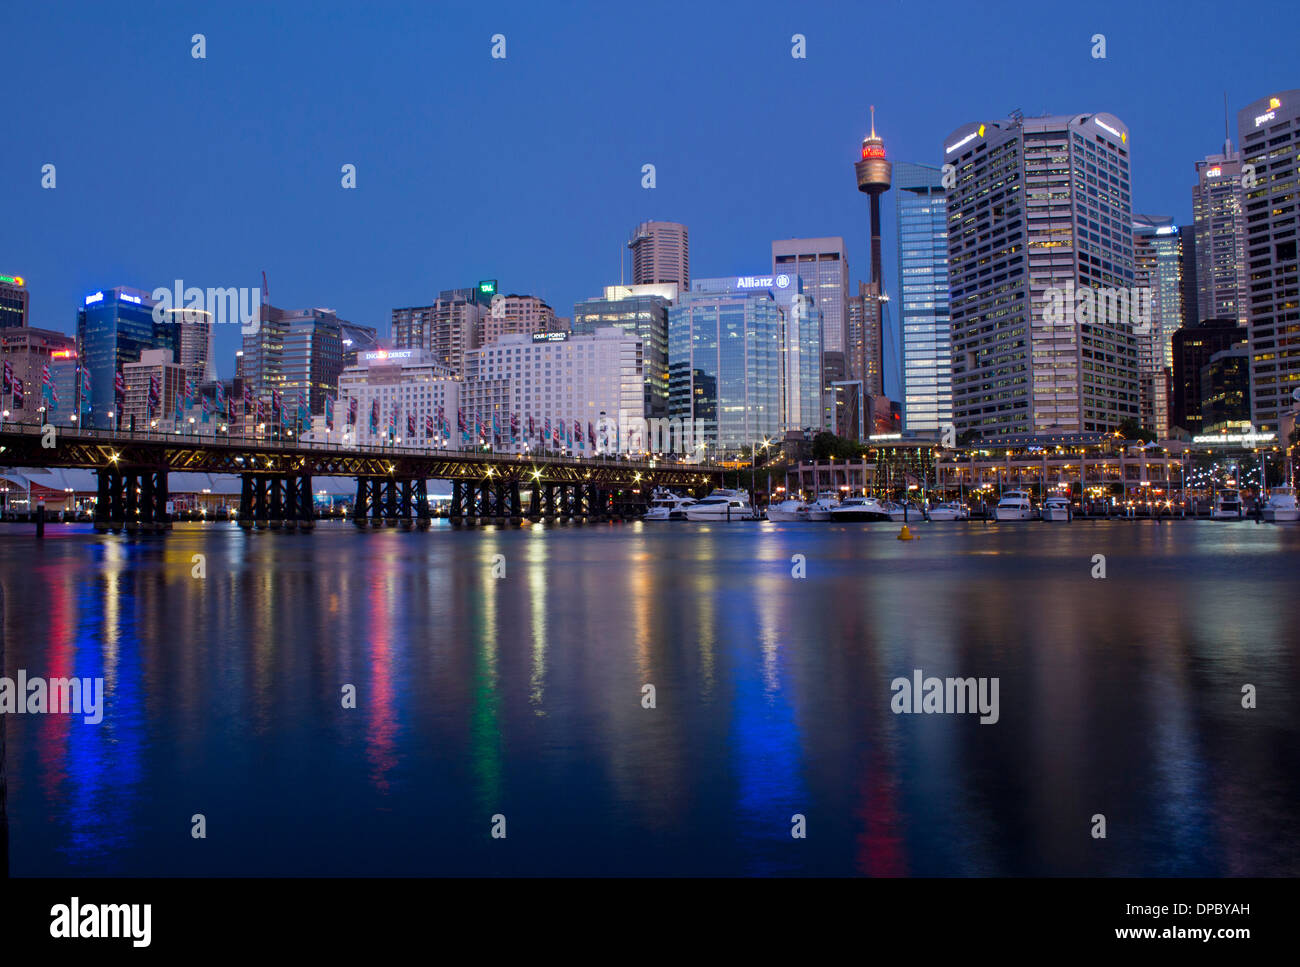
column 22, row 445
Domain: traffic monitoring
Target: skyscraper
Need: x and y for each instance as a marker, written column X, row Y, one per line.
column 114, row 326
column 822, row 264
column 724, row 363
column 642, row 310
column 1190, row 298
column 661, row 252
column 1269, row 133
column 923, row 296
column 14, row 302
column 295, row 352
column 1220, row 236
column 1157, row 270
column 1040, row 212
column 1194, row 347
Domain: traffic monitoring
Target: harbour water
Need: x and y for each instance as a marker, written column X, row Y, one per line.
column 501, row 673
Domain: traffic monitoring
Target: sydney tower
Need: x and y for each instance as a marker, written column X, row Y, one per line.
column 873, row 177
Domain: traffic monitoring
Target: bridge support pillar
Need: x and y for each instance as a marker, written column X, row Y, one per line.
column 261, row 502
column 422, row 516
column 103, row 499
column 246, row 501
column 131, row 482
column 457, row 501
column 502, row 511
column 516, row 507
column 306, row 503
column 406, row 499
column 276, row 515
column 361, row 505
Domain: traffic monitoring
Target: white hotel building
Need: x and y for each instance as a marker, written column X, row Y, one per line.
column 596, row 381
column 406, row 382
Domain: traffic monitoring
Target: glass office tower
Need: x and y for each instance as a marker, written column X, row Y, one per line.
column 114, row 327
column 724, row 363
column 643, row 311
column 923, row 296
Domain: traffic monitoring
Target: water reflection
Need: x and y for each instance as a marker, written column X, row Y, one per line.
column 521, row 692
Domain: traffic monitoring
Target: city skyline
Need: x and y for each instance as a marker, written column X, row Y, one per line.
column 704, row 177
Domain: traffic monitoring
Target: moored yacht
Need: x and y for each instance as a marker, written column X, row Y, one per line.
column 1014, row 505
column 859, row 509
column 1227, row 506
column 666, row 505
column 1281, row 505
column 788, row 510
column 722, row 505
column 954, row 510
column 822, row 506
column 1057, row 507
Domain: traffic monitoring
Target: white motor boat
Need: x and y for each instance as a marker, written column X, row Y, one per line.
column 896, row 512
column 722, row 505
column 1057, row 507
column 788, row 510
column 1227, row 506
column 1281, row 505
column 821, row 507
column 1014, row 505
column 954, row 510
column 854, row 509
column 666, row 505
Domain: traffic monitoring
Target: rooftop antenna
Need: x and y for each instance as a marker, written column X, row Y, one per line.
column 1227, row 141
column 873, row 120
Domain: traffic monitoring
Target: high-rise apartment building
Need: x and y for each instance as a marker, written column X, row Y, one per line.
column 1219, row 224
column 447, row 329
column 14, row 302
column 520, row 315
column 153, row 385
column 661, row 252
column 643, row 311
column 923, row 296
column 1269, row 134
column 724, row 363
column 1039, row 213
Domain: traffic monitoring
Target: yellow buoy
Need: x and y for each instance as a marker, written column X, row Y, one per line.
column 905, row 534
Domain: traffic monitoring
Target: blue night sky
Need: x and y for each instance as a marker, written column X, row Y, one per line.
column 528, row 170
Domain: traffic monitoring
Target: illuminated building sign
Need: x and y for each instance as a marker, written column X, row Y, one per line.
column 488, row 287
column 62, row 354
column 966, row 140
column 12, row 279
column 885, row 436
column 1245, row 439
column 1106, row 127
column 1274, row 102
column 95, row 297
column 1213, row 172
column 873, row 151
column 550, row 337
column 131, row 298
column 759, row 281
column 382, row 354
column 1265, row 117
